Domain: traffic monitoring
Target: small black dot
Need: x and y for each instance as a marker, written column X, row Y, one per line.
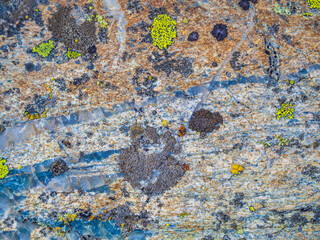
column 244, row 4
column 194, row 36
column 92, row 49
column 214, row 64
column 29, row 67
column 154, row 112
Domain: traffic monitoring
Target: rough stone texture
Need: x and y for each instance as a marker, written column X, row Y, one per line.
column 95, row 103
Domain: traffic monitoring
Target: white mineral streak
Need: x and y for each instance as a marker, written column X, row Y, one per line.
column 116, row 11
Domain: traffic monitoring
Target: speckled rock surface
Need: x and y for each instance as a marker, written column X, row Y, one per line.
column 103, row 135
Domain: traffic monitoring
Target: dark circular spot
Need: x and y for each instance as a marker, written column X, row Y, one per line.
column 58, row 167
column 214, row 64
column 154, row 112
column 194, row 36
column 220, row 31
column 92, row 49
column 244, row 4
column 29, row 67
column 204, row 121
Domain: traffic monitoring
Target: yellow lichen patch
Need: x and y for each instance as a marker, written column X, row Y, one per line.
column 163, row 31
column 44, row 49
column 286, row 111
column 67, row 218
column 184, row 214
column 4, row 170
column 252, row 209
column 165, row 123
column 236, row 169
column 314, row 4
column 282, row 141
column 72, row 54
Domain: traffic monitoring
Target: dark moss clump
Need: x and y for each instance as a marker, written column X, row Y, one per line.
column 58, row 167
column 152, row 173
column 63, row 26
column 220, row 31
column 205, row 121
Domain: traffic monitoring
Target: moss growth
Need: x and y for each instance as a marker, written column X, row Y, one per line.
column 163, row 31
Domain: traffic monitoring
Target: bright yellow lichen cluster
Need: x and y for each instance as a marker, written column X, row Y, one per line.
column 314, row 4
column 286, row 111
column 44, row 49
column 72, row 54
column 67, row 218
column 236, row 169
column 4, row 170
column 163, row 31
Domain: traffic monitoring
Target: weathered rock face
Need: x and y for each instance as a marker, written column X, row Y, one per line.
column 99, row 129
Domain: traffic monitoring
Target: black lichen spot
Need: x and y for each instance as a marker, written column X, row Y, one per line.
column 297, row 219
column 154, row 12
column 311, row 171
column 44, row 197
column 214, row 64
column 134, row 6
column 103, row 35
column 123, row 215
column 238, row 200
column 29, row 67
column 82, row 80
column 223, row 217
column 89, row 237
column 234, row 61
column 63, row 26
column 208, row 237
column 244, row 4
column 58, row 167
column 152, row 173
column 220, row 31
column 205, row 121
column 84, row 214
column 92, row 49
column 194, row 36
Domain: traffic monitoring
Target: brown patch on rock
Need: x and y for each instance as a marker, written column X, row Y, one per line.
column 205, row 121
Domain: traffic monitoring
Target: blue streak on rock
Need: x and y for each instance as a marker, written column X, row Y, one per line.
column 98, row 156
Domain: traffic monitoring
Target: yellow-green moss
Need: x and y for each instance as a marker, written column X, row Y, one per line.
column 163, row 31
column 44, row 49
column 4, row 170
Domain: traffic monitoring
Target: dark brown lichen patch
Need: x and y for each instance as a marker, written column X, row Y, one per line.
column 63, row 26
column 58, row 167
column 152, row 173
column 204, row 121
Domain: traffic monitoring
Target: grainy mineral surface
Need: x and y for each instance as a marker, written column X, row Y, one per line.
column 158, row 119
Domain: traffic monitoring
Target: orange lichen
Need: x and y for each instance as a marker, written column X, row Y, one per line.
column 182, row 131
